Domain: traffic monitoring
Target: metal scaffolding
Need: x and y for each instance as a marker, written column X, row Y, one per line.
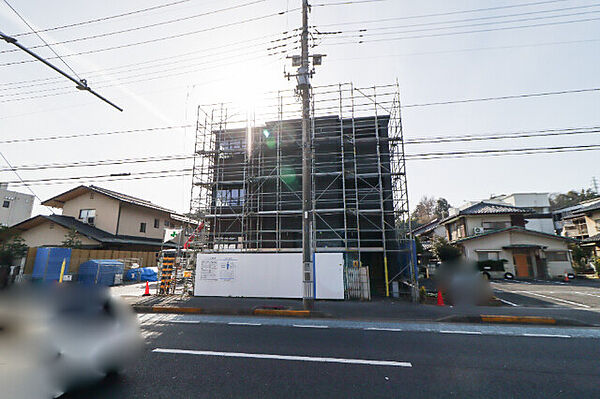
column 248, row 169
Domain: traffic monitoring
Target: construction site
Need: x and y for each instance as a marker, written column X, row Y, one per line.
column 247, row 179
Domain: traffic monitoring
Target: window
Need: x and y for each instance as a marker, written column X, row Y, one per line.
column 231, row 197
column 495, row 225
column 167, row 223
column 92, row 195
column 87, row 216
column 488, row 255
column 142, row 227
column 557, row 256
column 156, row 223
column 5, row 204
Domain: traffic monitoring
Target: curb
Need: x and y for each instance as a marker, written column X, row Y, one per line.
column 227, row 312
column 507, row 319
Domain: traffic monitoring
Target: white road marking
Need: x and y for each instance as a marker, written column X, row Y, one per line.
column 557, row 299
column 546, row 335
column 507, row 302
column 185, row 321
column 461, row 332
column 309, row 326
column 382, row 329
column 233, row 323
column 286, row 357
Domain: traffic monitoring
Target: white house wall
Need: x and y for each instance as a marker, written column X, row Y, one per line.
column 495, row 242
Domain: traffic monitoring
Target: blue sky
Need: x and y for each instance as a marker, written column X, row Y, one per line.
column 501, row 62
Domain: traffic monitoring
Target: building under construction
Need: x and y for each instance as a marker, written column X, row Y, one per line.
column 248, row 169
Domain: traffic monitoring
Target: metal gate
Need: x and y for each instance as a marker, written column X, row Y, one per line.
column 356, row 283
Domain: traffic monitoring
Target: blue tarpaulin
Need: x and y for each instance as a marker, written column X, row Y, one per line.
column 100, row 271
column 141, row 274
column 48, row 262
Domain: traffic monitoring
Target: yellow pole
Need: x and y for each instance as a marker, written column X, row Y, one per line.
column 62, row 270
column 387, row 283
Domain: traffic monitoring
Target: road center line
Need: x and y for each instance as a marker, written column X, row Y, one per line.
column 547, row 335
column 309, row 326
column 382, row 329
column 557, row 299
column 461, row 332
column 286, row 357
column 233, row 323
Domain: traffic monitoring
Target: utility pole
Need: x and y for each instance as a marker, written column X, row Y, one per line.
column 595, row 185
column 303, row 88
column 308, row 294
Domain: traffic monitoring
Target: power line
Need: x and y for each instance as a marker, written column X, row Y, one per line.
column 448, row 13
column 138, row 28
column 460, row 32
column 91, row 21
column 159, row 39
column 41, row 38
column 82, row 135
column 499, row 152
column 363, row 30
column 502, row 136
column 418, row 156
column 413, row 140
column 509, row 97
column 88, row 177
column 122, row 83
column 148, row 61
column 21, row 179
column 81, row 84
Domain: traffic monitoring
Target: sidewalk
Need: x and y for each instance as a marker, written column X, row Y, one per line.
column 376, row 310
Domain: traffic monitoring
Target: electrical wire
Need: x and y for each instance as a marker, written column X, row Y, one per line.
column 21, row 179
column 461, row 32
column 91, row 21
column 408, row 157
column 160, row 39
column 447, row 13
column 41, row 38
column 153, row 25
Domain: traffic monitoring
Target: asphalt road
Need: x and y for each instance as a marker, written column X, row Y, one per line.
column 225, row 357
column 576, row 294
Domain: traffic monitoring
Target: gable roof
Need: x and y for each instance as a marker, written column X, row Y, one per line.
column 59, row 200
column 92, row 232
column 489, row 208
column 427, row 227
column 517, row 229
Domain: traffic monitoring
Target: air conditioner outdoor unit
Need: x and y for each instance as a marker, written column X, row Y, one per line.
column 478, row 230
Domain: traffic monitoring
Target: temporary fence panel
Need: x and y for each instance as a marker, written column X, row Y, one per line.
column 265, row 275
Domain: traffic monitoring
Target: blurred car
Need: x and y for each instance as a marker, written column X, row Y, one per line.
column 53, row 339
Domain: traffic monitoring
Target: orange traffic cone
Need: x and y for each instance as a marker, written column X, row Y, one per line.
column 440, row 298
column 566, row 278
column 147, row 292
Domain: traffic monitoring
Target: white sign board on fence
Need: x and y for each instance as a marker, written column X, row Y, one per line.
column 264, row 275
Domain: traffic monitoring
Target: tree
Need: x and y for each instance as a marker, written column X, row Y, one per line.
column 573, row 197
column 445, row 251
column 72, row 239
column 442, row 208
column 430, row 208
column 12, row 247
column 424, row 211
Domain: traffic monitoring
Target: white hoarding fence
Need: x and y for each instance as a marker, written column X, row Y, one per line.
column 264, row 275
